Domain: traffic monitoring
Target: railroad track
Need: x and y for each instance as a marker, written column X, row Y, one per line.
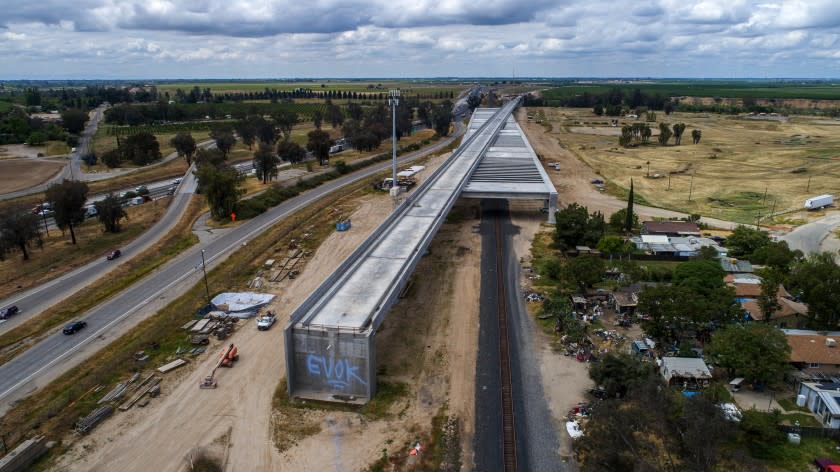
column 508, row 431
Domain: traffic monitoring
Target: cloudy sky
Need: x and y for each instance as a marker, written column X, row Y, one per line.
column 45, row 39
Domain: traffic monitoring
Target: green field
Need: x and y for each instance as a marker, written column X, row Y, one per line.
column 408, row 87
column 723, row 89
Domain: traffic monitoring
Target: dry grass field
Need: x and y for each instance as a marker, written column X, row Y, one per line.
column 19, row 174
column 735, row 164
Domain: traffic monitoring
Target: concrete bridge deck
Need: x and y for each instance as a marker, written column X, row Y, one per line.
column 330, row 349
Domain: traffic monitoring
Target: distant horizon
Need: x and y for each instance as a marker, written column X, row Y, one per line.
column 428, row 79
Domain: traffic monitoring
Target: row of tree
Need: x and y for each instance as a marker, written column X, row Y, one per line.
column 140, row 149
column 16, row 126
column 640, row 133
column 20, row 228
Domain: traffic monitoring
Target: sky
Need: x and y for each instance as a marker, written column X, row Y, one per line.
column 147, row 39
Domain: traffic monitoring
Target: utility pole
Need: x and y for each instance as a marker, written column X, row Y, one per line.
column 774, row 208
column 691, row 187
column 394, row 100
column 763, row 200
column 669, row 181
column 44, row 214
column 204, row 268
column 808, row 189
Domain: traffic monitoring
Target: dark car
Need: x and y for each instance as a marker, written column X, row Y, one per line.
column 114, row 254
column 74, row 326
column 10, row 310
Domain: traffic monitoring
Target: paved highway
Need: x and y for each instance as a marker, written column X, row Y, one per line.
column 57, row 352
column 73, row 169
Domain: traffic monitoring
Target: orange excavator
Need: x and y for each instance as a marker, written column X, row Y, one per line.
column 229, row 355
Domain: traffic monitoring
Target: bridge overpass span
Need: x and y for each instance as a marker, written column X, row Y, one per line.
column 329, row 341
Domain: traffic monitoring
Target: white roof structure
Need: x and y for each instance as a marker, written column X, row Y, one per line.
column 655, row 239
column 685, row 367
column 510, row 168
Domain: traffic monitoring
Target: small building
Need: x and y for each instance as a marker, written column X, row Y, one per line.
column 735, row 266
column 624, row 301
column 670, row 228
column 813, row 352
column 789, row 314
column 685, row 371
column 822, row 399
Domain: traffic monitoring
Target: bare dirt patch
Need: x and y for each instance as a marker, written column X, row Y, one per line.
column 20, row 174
column 12, row 151
column 741, row 168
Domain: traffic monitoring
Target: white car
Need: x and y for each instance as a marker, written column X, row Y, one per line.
column 265, row 321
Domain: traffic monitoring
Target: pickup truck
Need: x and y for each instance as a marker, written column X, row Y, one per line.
column 265, row 321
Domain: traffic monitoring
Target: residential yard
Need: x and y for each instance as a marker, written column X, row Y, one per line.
column 790, row 457
column 741, row 168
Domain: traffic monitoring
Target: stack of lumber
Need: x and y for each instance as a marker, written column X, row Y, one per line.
column 90, row 421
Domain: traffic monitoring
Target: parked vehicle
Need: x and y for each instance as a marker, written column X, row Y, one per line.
column 822, row 201
column 141, row 189
column 91, row 211
column 114, row 254
column 10, row 310
column 265, row 321
column 73, row 327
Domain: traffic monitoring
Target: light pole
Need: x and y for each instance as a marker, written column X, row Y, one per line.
column 204, row 268
column 393, row 101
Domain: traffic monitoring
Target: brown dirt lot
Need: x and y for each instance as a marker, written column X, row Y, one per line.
column 735, row 163
column 19, row 174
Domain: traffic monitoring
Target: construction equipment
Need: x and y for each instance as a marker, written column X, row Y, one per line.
column 228, row 357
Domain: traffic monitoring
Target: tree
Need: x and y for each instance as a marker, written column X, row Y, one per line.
column 291, row 151
column 664, row 133
column 768, row 299
column 618, row 372
column 571, row 225
column 74, row 120
column 285, row 121
column 816, row 281
column 223, row 135
column 761, row 432
column 744, row 241
column 213, row 157
column 695, row 136
column 442, row 116
column 265, row 163
column 334, row 115
column 319, row 143
column 112, row 158
column 679, row 128
column 247, row 131
column 758, row 352
column 776, row 255
column 628, row 222
column 585, row 270
column 19, row 228
column 614, row 245
column 109, row 211
column 599, row 109
column 141, row 149
column 68, row 199
column 184, row 144
column 317, row 118
column 266, row 132
column 618, row 220
column 221, row 188
column 701, row 276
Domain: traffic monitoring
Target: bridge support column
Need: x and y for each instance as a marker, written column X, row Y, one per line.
column 552, row 207
column 330, row 365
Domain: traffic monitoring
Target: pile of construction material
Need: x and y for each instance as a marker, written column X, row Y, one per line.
column 90, row 421
column 217, row 323
column 21, row 457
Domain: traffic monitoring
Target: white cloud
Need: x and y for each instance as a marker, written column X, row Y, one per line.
column 282, row 38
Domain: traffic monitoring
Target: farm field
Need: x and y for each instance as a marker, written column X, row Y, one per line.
column 19, row 174
column 350, row 86
column 740, row 170
column 724, row 89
